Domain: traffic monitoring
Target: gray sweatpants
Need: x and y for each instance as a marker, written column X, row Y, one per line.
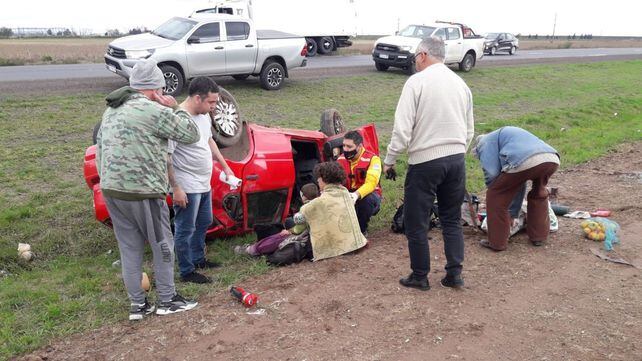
column 137, row 221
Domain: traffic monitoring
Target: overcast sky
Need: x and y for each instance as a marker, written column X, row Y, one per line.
column 613, row 18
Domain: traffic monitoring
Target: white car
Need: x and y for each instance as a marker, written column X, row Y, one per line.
column 210, row 45
column 463, row 47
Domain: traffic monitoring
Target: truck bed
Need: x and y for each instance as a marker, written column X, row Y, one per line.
column 274, row 34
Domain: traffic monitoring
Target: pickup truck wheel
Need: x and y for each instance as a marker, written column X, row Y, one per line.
column 326, row 45
column 467, row 64
column 512, row 50
column 272, row 76
column 493, row 50
column 331, row 123
column 410, row 69
column 174, row 80
column 94, row 136
column 226, row 120
column 313, row 47
column 240, row 76
column 381, row 67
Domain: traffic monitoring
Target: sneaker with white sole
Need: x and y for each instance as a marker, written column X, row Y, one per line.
column 139, row 310
column 177, row 304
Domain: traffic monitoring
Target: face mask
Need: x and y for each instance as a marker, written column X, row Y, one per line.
column 350, row 154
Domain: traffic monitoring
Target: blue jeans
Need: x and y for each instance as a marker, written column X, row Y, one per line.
column 190, row 226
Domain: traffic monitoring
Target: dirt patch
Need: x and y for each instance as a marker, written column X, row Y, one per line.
column 557, row 302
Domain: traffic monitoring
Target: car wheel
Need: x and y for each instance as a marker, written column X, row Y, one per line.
column 312, row 47
column 94, row 136
column 467, row 63
column 512, row 50
column 331, row 123
column 226, row 120
column 240, row 76
column 325, row 45
column 381, row 67
column 174, row 80
column 493, row 50
column 410, row 69
column 272, row 76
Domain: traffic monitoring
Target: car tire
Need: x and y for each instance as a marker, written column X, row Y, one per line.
column 226, row 120
column 94, row 136
column 313, row 47
column 325, row 45
column 493, row 50
column 410, row 69
column 174, row 80
column 467, row 63
column 272, row 76
column 331, row 123
column 513, row 50
column 381, row 67
column 240, row 76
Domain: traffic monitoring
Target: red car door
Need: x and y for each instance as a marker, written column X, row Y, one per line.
column 268, row 178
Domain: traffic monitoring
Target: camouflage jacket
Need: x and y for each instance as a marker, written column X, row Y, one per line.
column 131, row 154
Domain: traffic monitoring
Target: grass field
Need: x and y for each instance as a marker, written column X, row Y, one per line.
column 583, row 110
column 91, row 50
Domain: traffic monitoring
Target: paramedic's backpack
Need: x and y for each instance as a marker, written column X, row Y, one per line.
column 397, row 225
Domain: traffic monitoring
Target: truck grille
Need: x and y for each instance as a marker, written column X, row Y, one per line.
column 387, row 47
column 116, row 52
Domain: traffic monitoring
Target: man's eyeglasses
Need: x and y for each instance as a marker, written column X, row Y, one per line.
column 414, row 58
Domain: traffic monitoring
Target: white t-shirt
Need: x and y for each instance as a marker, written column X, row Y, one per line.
column 193, row 162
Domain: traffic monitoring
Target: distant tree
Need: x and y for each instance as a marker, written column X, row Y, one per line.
column 49, row 32
column 6, row 32
column 112, row 33
column 138, row 30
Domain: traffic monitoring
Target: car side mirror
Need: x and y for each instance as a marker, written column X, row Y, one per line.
column 194, row 40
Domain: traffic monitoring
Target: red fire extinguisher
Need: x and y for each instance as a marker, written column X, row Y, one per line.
column 246, row 298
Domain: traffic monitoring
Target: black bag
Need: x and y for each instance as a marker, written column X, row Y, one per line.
column 293, row 252
column 397, row 225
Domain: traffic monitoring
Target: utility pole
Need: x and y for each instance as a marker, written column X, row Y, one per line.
column 554, row 24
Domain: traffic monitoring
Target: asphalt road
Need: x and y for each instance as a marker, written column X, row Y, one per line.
column 39, row 79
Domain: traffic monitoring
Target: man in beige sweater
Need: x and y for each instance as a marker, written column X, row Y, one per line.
column 434, row 124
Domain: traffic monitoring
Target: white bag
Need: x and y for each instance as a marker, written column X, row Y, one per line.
column 521, row 221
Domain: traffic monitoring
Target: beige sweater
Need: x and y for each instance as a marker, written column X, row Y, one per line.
column 434, row 117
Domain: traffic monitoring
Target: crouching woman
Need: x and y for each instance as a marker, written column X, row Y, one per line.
column 334, row 227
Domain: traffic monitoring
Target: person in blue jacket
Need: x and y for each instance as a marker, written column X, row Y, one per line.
column 511, row 156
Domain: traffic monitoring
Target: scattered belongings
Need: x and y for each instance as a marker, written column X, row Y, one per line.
column 578, row 215
column 601, row 229
column 600, row 212
column 246, row 298
column 611, row 257
column 24, row 251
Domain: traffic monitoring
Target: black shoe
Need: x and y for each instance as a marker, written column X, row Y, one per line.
column 138, row 311
column 452, row 282
column 207, row 264
column 196, row 277
column 537, row 243
column 176, row 304
column 412, row 282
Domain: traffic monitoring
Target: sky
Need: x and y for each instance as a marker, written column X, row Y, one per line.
column 612, row 18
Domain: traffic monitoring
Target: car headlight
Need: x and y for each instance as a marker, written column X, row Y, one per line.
column 138, row 54
column 406, row 48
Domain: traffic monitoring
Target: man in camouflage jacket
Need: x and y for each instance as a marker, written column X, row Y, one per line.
column 132, row 164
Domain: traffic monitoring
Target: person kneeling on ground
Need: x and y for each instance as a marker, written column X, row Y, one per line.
column 363, row 170
column 334, row 227
column 270, row 236
column 510, row 157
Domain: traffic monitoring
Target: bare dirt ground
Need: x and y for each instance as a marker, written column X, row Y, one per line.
column 557, row 302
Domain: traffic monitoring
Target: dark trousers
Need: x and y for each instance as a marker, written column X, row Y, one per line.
column 366, row 208
column 501, row 192
column 444, row 178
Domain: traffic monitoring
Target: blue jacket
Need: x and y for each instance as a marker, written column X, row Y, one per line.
column 507, row 148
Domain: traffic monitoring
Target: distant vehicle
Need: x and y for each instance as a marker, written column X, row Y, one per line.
column 463, row 47
column 210, row 45
column 500, row 42
column 326, row 25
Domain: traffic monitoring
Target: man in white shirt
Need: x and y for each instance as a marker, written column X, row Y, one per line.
column 434, row 123
column 190, row 172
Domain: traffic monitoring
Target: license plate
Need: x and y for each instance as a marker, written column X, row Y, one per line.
column 111, row 68
column 383, row 56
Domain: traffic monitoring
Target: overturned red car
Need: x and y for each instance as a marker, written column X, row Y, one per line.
column 273, row 164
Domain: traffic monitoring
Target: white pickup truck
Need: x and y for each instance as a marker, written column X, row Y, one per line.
column 210, row 45
column 463, row 47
